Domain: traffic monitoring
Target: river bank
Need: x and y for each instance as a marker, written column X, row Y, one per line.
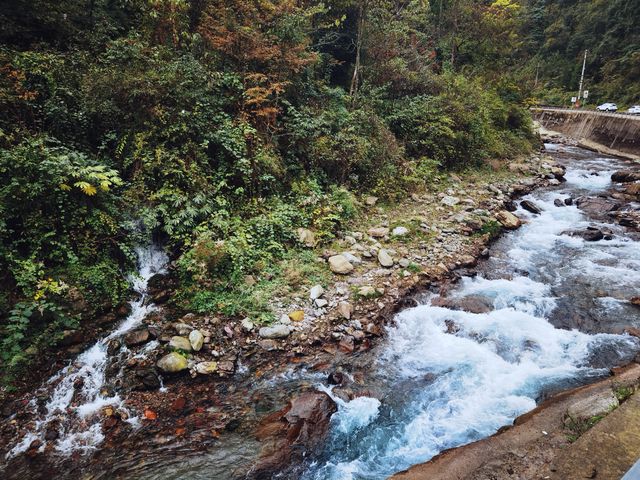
column 202, row 415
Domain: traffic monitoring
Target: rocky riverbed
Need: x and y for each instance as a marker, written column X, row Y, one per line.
column 230, row 397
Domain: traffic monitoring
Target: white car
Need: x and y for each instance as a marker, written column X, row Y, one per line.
column 635, row 110
column 607, row 107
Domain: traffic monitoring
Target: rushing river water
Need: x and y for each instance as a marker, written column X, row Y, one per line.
column 450, row 377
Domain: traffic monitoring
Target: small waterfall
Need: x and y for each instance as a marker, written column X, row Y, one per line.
column 77, row 392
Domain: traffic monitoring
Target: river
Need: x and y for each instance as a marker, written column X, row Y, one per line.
column 550, row 309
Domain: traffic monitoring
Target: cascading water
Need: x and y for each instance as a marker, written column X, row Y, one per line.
column 77, row 392
column 450, row 377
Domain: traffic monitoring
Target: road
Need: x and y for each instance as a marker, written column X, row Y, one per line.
column 587, row 112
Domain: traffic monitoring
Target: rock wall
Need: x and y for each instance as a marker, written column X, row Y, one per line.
column 614, row 131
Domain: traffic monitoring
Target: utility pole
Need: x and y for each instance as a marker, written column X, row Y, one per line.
column 584, row 64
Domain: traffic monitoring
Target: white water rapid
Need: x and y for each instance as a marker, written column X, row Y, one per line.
column 77, row 392
column 450, row 377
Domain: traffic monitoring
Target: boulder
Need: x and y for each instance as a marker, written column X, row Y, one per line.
column 597, row 205
column 180, row 343
column 293, row 433
column 510, row 206
column 590, row 234
column 275, row 331
column 378, row 232
column 371, row 201
column 399, row 231
column 196, row 339
column 508, row 220
column 339, row 264
column 529, row 206
column 625, row 176
column 137, row 337
column 173, row 362
column 384, row 258
column 559, row 203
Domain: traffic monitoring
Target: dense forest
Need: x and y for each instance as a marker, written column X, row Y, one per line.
column 219, row 127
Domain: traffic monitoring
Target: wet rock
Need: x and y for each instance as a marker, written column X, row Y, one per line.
column 173, row 362
column 196, row 339
column 625, row 176
column 568, row 201
column 558, row 172
column 559, row 203
column 137, row 337
column 295, row 432
column 123, row 310
column 347, row 344
column 306, row 237
column 590, row 234
column 180, row 343
column 275, row 331
column 384, row 258
column 156, row 283
column 597, row 205
column 345, row 309
column 635, row 301
column 470, row 303
column 161, row 297
column 530, row 207
column 510, row 206
column 340, row 265
column 508, row 220
column 206, row 368
column 336, row 378
column 378, row 232
column 316, row 292
column 71, row 337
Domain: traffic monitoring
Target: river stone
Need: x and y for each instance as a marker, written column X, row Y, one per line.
column 597, row 205
column 625, row 176
column 196, row 338
column 173, row 362
column 275, row 331
column 207, row 368
column 399, row 231
column 450, row 201
column 559, row 203
column 378, row 232
column 180, row 343
column 316, row 292
column 352, row 258
column 339, row 264
column 137, row 337
column 296, row 316
column 306, row 237
column 247, row 324
column 530, row 207
column 384, row 258
column 299, row 430
column 321, row 302
column 508, row 220
column 345, row 309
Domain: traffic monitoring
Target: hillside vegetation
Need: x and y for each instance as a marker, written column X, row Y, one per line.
column 220, row 127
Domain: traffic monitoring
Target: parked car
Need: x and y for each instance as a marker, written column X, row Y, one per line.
column 607, row 107
column 635, row 110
